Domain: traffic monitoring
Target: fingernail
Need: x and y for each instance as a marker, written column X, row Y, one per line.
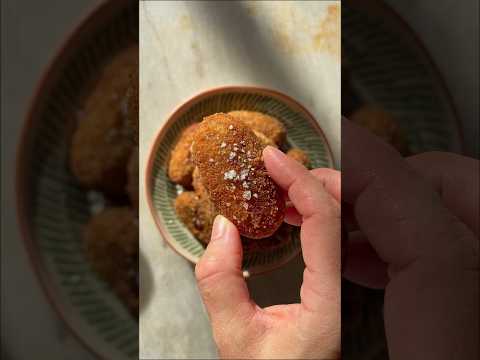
column 274, row 152
column 220, row 227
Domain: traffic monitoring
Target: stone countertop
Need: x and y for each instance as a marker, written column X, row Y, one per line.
column 189, row 47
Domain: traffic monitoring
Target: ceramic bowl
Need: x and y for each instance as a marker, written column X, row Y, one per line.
column 52, row 208
column 389, row 67
column 303, row 131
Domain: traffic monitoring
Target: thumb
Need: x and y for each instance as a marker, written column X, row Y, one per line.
column 220, row 279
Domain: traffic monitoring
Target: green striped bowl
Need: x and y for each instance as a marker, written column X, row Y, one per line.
column 303, row 131
column 389, row 67
column 52, row 209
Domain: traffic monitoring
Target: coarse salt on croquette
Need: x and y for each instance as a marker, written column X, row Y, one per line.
column 229, row 158
column 268, row 125
column 180, row 166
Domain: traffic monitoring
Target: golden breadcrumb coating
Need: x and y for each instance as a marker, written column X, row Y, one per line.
column 132, row 182
column 300, row 156
column 180, row 167
column 101, row 143
column 229, row 158
column 382, row 124
column 265, row 141
column 197, row 183
column 132, row 108
column 111, row 242
column 269, row 126
column 197, row 213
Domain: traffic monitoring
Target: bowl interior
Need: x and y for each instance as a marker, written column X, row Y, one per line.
column 52, row 207
column 301, row 132
column 387, row 66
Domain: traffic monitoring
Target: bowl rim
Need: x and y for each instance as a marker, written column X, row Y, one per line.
column 402, row 27
column 182, row 108
column 93, row 15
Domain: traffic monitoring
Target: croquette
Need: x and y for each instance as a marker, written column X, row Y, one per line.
column 300, row 156
column 180, row 167
column 111, row 242
column 131, row 104
column 277, row 240
column 197, row 213
column 101, row 143
column 229, row 158
column 269, row 126
column 132, row 181
column 382, row 124
column 265, row 141
column 197, row 183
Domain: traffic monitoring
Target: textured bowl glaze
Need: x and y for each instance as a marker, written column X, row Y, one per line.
column 52, row 208
column 303, row 131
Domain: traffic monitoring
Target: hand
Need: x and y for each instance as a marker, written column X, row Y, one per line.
column 416, row 233
column 310, row 329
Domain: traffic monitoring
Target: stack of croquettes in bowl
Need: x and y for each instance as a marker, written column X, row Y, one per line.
column 207, row 160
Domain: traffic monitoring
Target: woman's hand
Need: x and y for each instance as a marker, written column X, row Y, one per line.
column 310, row 329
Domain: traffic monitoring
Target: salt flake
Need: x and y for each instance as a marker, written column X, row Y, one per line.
column 230, row 175
column 243, row 174
column 247, row 195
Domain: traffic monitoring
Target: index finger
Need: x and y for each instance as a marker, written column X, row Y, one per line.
column 320, row 232
column 397, row 210
column 451, row 175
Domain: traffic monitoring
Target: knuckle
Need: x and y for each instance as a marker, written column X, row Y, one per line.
column 204, row 271
column 209, row 279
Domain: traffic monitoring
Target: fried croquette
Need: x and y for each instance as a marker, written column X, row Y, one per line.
column 132, row 181
column 111, row 242
column 197, row 213
column 101, row 143
column 269, row 126
column 132, row 105
column 300, row 156
column 382, row 124
column 229, row 159
column 264, row 140
column 180, row 167
column 197, row 183
column 281, row 236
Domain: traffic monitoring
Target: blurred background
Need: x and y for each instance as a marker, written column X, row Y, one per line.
column 33, row 31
